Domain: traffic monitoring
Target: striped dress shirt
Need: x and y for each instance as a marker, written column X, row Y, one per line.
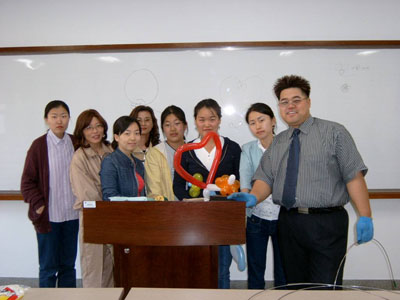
column 329, row 159
column 61, row 198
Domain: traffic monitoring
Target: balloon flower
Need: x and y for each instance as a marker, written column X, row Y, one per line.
column 227, row 184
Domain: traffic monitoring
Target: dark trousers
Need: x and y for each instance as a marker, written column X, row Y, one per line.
column 312, row 245
column 57, row 255
column 258, row 232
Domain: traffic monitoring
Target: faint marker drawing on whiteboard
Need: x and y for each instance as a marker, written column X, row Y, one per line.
column 141, row 87
column 350, row 70
column 237, row 94
column 345, row 88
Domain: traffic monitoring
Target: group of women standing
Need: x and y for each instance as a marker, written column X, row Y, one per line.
column 56, row 180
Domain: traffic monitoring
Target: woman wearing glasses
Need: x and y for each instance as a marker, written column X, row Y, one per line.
column 159, row 164
column 91, row 147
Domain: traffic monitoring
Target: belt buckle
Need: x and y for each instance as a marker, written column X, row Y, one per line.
column 303, row 210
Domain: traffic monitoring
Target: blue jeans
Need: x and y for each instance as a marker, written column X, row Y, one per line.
column 57, row 255
column 224, row 263
column 258, row 232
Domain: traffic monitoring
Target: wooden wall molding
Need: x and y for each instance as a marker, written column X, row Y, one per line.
column 30, row 50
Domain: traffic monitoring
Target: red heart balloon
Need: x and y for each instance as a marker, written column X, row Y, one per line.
column 187, row 147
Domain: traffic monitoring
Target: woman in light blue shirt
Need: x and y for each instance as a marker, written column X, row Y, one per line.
column 262, row 220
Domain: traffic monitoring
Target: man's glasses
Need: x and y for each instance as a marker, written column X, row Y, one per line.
column 294, row 101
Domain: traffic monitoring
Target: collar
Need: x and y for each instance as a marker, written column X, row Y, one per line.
column 91, row 153
column 260, row 146
column 198, row 140
column 55, row 139
column 304, row 128
column 122, row 155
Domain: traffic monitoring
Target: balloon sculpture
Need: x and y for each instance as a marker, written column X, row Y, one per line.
column 192, row 146
column 227, row 184
column 224, row 184
column 194, row 190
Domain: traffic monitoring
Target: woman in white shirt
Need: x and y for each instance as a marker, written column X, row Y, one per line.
column 207, row 116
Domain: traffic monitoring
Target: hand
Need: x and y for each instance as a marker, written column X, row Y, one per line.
column 365, row 230
column 250, row 199
column 40, row 210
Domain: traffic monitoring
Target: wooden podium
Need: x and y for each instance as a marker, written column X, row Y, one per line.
column 165, row 244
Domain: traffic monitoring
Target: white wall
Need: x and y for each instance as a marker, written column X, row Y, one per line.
column 51, row 22
column 18, row 250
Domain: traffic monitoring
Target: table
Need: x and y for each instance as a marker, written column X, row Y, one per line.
column 73, row 294
column 197, row 294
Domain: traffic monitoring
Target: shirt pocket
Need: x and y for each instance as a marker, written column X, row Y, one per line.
column 318, row 171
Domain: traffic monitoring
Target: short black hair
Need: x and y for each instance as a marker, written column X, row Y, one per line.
column 173, row 110
column 210, row 104
column 262, row 108
column 292, row 81
column 122, row 124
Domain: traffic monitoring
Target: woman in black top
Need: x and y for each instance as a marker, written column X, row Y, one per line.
column 207, row 114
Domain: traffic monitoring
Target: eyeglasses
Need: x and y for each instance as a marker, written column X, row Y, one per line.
column 97, row 127
column 294, row 101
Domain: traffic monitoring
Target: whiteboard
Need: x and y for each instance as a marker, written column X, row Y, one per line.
column 359, row 88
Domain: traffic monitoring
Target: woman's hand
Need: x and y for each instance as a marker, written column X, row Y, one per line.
column 40, row 210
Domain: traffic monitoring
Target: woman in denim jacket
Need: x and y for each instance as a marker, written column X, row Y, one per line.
column 121, row 173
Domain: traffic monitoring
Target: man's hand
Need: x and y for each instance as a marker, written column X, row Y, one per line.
column 365, row 230
column 250, row 199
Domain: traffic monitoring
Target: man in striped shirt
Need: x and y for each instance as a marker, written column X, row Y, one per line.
column 313, row 227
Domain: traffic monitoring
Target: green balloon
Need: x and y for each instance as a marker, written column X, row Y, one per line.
column 198, row 176
column 194, row 191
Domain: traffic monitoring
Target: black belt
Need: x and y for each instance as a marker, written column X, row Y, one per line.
column 314, row 210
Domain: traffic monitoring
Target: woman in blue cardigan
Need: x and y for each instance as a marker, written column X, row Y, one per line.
column 121, row 173
column 207, row 115
column 262, row 220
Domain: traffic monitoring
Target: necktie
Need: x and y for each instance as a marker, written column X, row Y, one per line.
column 292, row 170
